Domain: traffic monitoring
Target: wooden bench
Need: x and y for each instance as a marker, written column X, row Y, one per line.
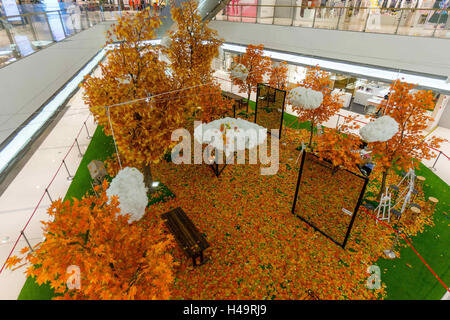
column 309, row 295
column 238, row 101
column 186, row 234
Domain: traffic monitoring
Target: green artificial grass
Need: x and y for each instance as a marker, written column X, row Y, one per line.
column 100, row 148
column 407, row 277
column 32, row 291
column 288, row 119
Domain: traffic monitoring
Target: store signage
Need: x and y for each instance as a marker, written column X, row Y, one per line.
column 54, row 20
column 11, row 9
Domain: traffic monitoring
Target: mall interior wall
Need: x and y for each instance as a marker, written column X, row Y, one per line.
column 416, row 54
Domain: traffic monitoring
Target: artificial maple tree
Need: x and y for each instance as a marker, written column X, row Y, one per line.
column 116, row 260
column 257, row 67
column 278, row 75
column 135, row 98
column 193, row 45
column 408, row 146
column 318, row 80
column 191, row 50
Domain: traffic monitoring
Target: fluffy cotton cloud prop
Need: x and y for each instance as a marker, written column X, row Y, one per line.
column 382, row 129
column 166, row 41
column 239, row 71
column 240, row 134
column 305, row 98
column 129, row 186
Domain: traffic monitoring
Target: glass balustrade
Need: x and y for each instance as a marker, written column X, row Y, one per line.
column 35, row 29
column 399, row 21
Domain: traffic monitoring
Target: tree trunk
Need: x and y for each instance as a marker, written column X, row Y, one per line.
column 248, row 97
column 383, row 184
column 148, row 179
column 311, row 135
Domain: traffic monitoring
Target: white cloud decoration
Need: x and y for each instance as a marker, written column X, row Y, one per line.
column 166, row 41
column 129, row 186
column 239, row 71
column 240, row 134
column 305, row 98
column 382, row 129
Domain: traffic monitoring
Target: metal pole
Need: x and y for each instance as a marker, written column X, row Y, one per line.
column 367, row 19
column 80, row 154
column 93, row 188
column 70, row 177
column 339, row 18
column 314, row 18
column 399, row 21
column 273, row 15
column 11, row 39
column 396, row 240
column 337, row 122
column 62, row 23
column 87, row 131
column 33, row 31
column 48, row 194
column 437, row 158
column 437, row 24
column 87, row 18
column 28, row 243
column 293, row 15
column 49, row 28
column 240, row 6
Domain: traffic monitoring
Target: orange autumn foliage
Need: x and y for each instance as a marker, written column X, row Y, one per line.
column 257, row 66
column 116, row 260
column 135, row 83
column 408, row 146
column 340, row 146
column 191, row 50
column 278, row 75
column 318, row 80
column 193, row 45
column 212, row 105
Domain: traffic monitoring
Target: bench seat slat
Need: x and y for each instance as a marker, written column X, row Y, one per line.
column 186, row 233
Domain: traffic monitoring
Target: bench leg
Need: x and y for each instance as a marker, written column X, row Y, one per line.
column 201, row 257
column 194, row 261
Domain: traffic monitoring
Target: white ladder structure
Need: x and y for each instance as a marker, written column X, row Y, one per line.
column 384, row 208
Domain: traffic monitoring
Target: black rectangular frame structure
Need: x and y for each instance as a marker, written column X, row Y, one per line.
column 258, row 95
column 358, row 203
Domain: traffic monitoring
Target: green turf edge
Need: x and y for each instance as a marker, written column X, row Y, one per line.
column 100, row 148
column 416, row 282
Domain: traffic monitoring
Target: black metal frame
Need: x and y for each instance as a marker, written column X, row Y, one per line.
column 282, row 109
column 215, row 166
column 358, row 203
